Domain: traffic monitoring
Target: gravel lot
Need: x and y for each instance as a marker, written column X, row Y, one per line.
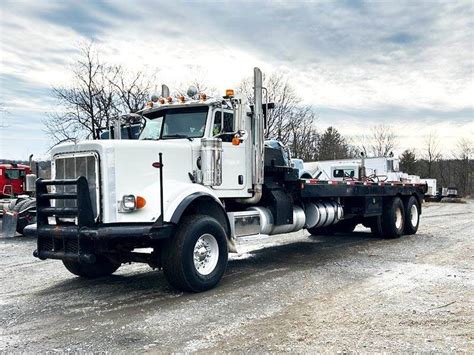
column 285, row 293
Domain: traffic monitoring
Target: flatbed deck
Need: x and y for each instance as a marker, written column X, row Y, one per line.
column 312, row 188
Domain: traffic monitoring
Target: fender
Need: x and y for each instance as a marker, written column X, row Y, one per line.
column 201, row 197
column 178, row 212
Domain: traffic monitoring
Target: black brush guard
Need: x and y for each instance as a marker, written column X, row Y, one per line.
column 83, row 240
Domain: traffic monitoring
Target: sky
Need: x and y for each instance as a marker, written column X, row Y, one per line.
column 407, row 64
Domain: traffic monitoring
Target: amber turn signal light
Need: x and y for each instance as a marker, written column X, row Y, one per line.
column 140, row 202
column 235, row 140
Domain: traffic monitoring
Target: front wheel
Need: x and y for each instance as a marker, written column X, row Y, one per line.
column 195, row 258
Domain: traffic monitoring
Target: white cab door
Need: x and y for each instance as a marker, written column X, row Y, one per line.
column 233, row 156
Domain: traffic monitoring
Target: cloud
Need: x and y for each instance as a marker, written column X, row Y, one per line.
column 401, row 38
column 365, row 61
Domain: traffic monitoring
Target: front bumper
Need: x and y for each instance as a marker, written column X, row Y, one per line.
column 84, row 240
column 70, row 242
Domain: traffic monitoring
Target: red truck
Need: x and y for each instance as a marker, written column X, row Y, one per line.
column 12, row 179
column 16, row 205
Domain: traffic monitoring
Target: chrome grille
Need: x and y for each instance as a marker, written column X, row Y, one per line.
column 72, row 168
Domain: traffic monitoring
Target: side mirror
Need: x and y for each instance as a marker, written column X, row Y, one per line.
column 269, row 106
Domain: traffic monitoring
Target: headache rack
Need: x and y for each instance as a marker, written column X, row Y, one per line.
column 62, row 239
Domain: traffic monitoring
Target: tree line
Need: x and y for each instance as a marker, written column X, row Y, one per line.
column 455, row 168
column 99, row 91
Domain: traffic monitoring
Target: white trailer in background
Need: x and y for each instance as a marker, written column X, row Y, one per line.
column 432, row 188
column 379, row 169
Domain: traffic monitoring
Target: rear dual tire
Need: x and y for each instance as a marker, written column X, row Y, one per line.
column 398, row 218
column 412, row 215
column 393, row 218
column 392, row 221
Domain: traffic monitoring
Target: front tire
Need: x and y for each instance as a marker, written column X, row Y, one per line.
column 102, row 267
column 195, row 258
column 412, row 215
column 27, row 218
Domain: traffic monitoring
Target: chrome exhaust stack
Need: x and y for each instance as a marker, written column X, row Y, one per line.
column 258, row 128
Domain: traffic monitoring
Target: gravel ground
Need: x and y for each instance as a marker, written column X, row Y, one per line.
column 282, row 293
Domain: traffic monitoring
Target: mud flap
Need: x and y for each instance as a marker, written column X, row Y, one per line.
column 9, row 222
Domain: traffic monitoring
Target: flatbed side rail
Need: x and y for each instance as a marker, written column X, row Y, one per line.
column 331, row 188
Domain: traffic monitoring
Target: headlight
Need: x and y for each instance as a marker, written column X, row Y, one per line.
column 128, row 203
column 131, row 203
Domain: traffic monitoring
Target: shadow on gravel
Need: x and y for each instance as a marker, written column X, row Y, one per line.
column 152, row 281
column 315, row 250
column 304, row 254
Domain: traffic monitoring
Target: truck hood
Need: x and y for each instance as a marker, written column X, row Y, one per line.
column 126, row 167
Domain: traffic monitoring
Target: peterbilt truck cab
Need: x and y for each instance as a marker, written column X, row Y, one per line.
column 199, row 176
column 109, row 197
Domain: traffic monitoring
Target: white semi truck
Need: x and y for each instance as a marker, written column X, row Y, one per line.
column 199, row 177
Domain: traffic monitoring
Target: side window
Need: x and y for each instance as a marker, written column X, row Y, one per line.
column 343, row 173
column 389, row 165
column 223, row 124
column 12, row 174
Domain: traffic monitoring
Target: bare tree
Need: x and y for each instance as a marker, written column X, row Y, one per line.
column 464, row 169
column 286, row 102
column 131, row 88
column 380, row 142
column 197, row 77
column 98, row 93
column 303, row 136
column 289, row 122
column 431, row 152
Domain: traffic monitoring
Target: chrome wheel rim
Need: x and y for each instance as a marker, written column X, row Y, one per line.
column 206, row 254
column 414, row 215
column 398, row 218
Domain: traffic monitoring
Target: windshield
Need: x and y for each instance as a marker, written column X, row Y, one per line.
column 189, row 122
column 14, row 174
column 127, row 132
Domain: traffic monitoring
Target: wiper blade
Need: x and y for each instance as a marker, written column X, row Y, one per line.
column 177, row 136
column 149, row 139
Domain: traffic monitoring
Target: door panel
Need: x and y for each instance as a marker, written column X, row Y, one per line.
column 233, row 166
